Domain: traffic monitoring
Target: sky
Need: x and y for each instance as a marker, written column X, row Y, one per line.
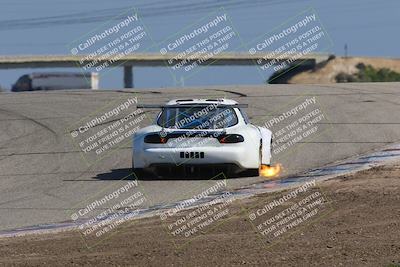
column 48, row 27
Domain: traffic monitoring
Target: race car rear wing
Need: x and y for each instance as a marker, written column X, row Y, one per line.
column 191, row 105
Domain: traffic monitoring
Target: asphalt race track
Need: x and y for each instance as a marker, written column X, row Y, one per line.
column 43, row 178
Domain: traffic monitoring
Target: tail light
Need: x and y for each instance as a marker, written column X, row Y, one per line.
column 155, row 139
column 230, row 138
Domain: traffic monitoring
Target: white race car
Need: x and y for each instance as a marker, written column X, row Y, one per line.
column 195, row 134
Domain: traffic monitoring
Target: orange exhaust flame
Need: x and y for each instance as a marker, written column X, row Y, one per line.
column 270, row 171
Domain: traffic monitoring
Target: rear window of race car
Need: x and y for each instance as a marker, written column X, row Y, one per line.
column 197, row 118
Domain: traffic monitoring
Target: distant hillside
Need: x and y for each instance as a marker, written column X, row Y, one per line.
column 341, row 69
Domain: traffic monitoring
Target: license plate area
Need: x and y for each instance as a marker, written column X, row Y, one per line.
column 191, row 155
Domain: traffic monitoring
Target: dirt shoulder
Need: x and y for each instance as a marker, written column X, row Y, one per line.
column 361, row 227
column 327, row 72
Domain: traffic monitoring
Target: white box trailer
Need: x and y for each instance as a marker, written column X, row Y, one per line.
column 56, row 81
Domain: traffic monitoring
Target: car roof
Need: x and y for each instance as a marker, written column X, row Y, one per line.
column 187, row 101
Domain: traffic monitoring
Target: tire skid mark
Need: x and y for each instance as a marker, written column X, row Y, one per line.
column 9, row 141
column 44, row 118
column 230, row 92
column 111, row 121
column 30, row 119
column 52, row 152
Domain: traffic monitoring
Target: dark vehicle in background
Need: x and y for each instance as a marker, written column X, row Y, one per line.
column 56, row 81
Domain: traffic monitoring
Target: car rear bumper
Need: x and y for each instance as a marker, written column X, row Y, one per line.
column 230, row 154
column 213, row 171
